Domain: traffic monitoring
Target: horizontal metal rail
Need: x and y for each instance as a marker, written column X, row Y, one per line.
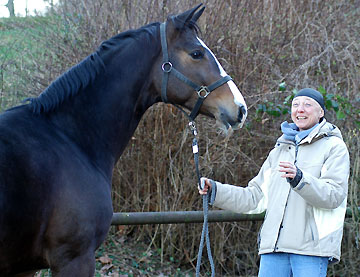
column 142, row 218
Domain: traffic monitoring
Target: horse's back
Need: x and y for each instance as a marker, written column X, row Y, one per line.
column 49, row 193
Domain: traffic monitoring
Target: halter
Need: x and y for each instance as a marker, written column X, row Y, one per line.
column 202, row 92
column 167, row 67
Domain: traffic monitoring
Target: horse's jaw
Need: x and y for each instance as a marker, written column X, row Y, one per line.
column 225, row 130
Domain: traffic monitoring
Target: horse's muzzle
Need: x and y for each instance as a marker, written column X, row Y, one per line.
column 230, row 121
column 242, row 114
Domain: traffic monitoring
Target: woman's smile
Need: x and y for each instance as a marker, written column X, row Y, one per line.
column 305, row 112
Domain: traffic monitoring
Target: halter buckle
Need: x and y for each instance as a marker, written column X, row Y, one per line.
column 166, row 67
column 203, row 92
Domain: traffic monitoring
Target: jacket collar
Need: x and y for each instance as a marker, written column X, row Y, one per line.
column 316, row 133
column 322, row 130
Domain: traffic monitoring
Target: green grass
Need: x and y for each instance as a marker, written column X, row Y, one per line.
column 23, row 46
column 17, row 35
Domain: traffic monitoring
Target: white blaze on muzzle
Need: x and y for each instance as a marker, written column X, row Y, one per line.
column 238, row 98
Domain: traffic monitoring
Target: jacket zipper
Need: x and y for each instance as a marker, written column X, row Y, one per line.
column 296, row 152
column 281, row 224
column 282, row 220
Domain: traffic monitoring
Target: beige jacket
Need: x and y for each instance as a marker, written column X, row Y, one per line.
column 309, row 218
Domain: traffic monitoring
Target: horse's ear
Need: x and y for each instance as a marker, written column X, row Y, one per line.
column 198, row 14
column 181, row 20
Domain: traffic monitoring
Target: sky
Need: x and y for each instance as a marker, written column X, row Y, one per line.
column 20, row 7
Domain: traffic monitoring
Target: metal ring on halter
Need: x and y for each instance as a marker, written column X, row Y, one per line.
column 169, row 64
column 203, row 92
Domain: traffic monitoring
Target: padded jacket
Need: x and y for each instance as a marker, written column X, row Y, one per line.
column 309, row 218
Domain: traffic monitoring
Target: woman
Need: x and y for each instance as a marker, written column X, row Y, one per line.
column 303, row 186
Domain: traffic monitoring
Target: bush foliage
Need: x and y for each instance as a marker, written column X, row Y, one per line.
column 270, row 48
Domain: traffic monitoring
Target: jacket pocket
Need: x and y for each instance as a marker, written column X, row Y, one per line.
column 259, row 233
column 314, row 230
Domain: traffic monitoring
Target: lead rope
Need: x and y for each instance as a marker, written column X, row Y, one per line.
column 205, row 229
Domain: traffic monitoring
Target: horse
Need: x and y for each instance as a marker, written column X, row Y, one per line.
column 58, row 150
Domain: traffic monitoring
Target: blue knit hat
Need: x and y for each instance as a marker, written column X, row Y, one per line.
column 312, row 93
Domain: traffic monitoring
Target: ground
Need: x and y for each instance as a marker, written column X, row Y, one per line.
column 124, row 256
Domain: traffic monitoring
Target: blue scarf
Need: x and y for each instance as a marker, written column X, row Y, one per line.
column 292, row 132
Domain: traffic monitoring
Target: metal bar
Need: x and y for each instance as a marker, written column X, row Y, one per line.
column 142, row 218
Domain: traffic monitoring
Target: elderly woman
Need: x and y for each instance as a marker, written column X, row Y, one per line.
column 303, row 186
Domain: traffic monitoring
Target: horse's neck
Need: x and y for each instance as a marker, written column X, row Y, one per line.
column 102, row 119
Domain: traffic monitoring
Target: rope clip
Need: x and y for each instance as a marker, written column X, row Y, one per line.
column 193, row 128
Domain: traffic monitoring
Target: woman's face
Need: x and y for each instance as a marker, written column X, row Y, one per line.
column 305, row 112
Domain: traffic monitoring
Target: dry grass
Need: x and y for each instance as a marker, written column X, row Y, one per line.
column 260, row 44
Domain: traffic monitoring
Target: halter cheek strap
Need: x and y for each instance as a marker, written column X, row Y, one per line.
column 167, row 67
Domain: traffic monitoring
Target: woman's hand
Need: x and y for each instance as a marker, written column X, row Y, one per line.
column 289, row 170
column 205, row 183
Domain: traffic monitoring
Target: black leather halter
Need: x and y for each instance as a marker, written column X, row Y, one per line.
column 167, row 67
column 203, row 92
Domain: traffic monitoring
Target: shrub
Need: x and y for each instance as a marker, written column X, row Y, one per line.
column 270, row 48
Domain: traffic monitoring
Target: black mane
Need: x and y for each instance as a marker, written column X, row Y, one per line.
column 68, row 84
column 82, row 74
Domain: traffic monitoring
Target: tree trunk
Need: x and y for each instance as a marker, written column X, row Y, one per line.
column 11, row 8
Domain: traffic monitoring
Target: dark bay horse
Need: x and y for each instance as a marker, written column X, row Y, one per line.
column 57, row 152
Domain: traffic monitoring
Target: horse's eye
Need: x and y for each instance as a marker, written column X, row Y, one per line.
column 197, row 55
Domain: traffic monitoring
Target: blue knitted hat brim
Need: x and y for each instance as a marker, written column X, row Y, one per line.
column 314, row 94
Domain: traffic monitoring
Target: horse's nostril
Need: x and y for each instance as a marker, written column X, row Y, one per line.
column 243, row 110
column 242, row 113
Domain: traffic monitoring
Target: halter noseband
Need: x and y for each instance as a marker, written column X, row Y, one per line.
column 167, row 67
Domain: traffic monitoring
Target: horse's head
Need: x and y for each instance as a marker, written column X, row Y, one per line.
column 189, row 65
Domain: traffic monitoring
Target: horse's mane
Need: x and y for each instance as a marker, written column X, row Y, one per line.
column 84, row 73
column 80, row 75
column 68, row 84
